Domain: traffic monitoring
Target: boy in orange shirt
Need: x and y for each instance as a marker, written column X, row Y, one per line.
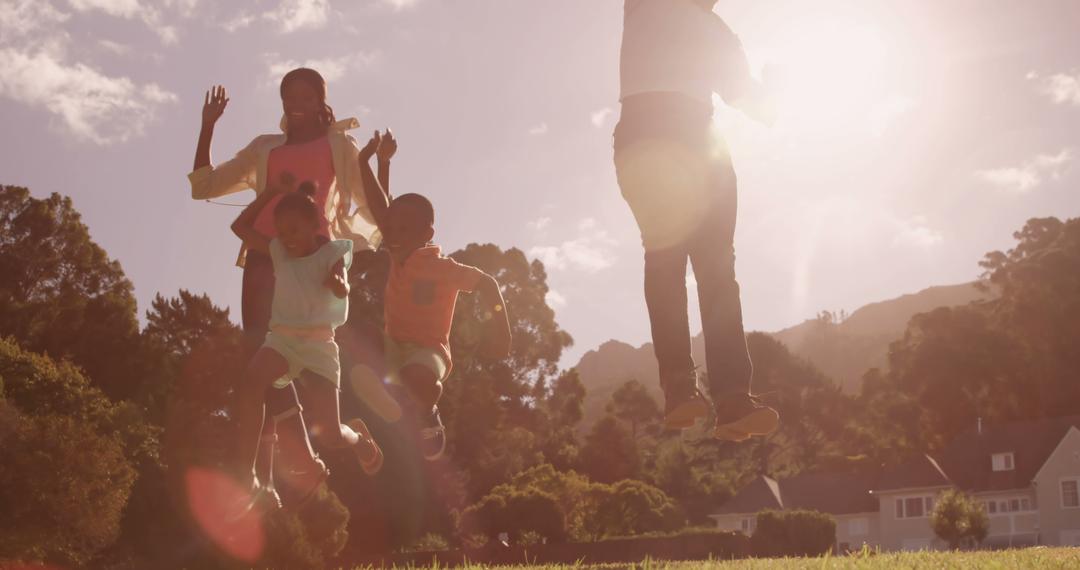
column 419, row 305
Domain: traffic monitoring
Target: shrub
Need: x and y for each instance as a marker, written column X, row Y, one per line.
column 516, row 512
column 793, row 533
column 959, row 520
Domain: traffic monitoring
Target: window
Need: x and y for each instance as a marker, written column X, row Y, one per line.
column 746, row 525
column 914, row 507
column 858, row 527
column 1070, row 493
column 1002, row 461
column 991, row 507
column 1025, row 504
column 1014, row 505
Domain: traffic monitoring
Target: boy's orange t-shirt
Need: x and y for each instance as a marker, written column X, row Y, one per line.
column 421, row 295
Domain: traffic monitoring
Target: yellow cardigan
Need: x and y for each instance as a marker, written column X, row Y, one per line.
column 248, row 170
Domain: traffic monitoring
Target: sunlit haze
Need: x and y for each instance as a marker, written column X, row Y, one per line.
column 912, row 137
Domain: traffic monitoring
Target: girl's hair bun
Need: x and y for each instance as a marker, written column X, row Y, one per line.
column 307, row 188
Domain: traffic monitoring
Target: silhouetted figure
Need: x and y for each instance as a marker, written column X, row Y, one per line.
column 677, row 177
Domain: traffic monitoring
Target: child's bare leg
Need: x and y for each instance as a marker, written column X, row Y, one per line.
column 422, row 385
column 249, row 406
column 264, row 456
column 283, row 405
column 322, row 407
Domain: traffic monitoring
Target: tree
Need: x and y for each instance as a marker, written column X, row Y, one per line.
column 610, row 453
column 1009, row 358
column 516, row 512
column 959, row 520
column 61, row 295
column 64, row 476
column 563, row 410
column 631, row 507
column 632, row 403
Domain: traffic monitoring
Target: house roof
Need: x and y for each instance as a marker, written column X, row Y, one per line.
column 965, row 463
column 967, row 459
column 828, row 492
column 917, row 472
column 761, row 494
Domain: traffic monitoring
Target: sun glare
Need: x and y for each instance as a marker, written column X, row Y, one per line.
column 832, row 77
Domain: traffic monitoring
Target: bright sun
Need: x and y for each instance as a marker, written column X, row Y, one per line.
column 832, row 76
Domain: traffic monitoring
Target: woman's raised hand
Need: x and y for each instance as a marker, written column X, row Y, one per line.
column 214, row 105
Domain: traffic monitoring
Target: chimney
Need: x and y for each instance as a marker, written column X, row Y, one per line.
column 978, row 425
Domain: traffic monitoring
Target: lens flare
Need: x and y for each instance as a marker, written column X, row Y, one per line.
column 211, row 496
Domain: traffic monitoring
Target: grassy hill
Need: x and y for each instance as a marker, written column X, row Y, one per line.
column 842, row 350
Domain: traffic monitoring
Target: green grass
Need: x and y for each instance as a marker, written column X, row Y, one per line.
column 1041, row 558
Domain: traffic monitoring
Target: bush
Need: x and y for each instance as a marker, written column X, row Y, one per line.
column 959, row 520
column 64, row 474
column 793, row 533
column 516, row 512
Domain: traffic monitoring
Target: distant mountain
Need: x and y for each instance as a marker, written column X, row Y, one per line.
column 844, row 349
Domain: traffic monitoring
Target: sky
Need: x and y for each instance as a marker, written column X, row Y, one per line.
column 914, row 136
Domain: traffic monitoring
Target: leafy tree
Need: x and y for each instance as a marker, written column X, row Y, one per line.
column 610, row 453
column 516, row 512
column 1006, row 359
column 490, row 407
column 632, row 403
column 631, row 507
column 562, row 411
column 64, row 476
column 959, row 520
column 60, row 294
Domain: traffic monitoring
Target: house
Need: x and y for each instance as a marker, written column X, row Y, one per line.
column 1025, row 474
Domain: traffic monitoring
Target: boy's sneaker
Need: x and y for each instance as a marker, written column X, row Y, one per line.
column 432, row 435
column 681, row 412
column 743, row 416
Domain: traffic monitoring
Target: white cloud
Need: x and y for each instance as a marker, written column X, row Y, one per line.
column 916, row 232
column 538, row 130
column 590, row 251
column 116, row 48
column 24, row 17
column 399, row 4
column 293, row 15
column 539, row 224
column 555, row 299
column 599, row 117
column 1062, row 88
column 1030, row 175
column 93, row 106
column 241, row 21
column 331, row 68
column 135, row 9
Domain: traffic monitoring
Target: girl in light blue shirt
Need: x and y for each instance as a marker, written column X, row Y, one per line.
column 311, row 295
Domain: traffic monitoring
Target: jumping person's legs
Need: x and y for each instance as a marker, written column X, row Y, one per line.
column 712, row 254
column 285, row 427
column 249, row 407
column 423, row 385
column 662, row 176
column 323, row 411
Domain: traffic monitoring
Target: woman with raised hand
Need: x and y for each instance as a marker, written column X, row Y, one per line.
column 313, row 147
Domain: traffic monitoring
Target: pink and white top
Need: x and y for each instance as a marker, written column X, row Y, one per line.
column 288, row 167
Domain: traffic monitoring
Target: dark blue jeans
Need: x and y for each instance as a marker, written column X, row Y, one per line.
column 680, row 184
